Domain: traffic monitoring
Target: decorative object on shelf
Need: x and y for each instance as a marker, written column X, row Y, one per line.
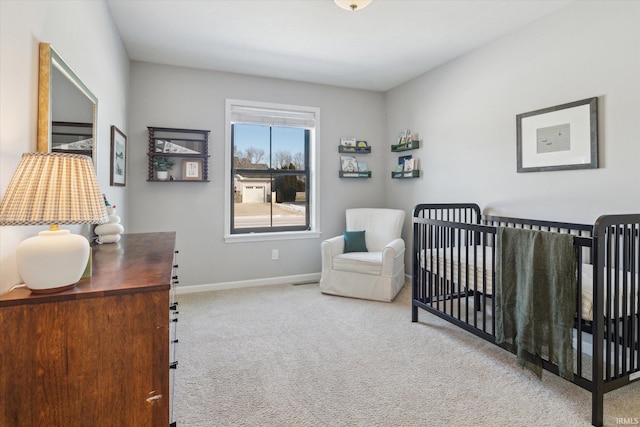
column 52, row 189
column 163, row 165
column 111, row 231
column 352, row 5
column 118, row 157
column 192, row 169
column 187, row 149
column 558, row 138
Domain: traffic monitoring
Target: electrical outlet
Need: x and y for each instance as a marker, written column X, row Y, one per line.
column 274, row 254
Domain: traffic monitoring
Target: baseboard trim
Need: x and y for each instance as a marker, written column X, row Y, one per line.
column 271, row 281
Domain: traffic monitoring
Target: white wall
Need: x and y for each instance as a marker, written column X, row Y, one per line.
column 466, row 111
column 166, row 96
column 83, row 33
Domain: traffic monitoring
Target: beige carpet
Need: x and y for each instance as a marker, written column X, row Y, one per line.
column 290, row 356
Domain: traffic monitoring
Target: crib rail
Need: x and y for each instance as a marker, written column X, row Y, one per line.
column 616, row 326
column 454, row 271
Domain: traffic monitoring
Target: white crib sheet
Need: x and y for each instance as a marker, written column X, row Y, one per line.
column 480, row 278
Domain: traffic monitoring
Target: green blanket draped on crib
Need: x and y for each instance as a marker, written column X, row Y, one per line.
column 536, row 297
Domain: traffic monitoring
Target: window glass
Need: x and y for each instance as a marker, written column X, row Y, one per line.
column 270, row 178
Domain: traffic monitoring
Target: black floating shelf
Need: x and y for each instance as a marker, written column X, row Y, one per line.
column 412, row 145
column 360, row 150
column 406, row 175
column 344, row 174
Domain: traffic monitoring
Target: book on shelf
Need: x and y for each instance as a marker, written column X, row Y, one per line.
column 363, row 167
column 348, row 142
column 403, row 159
column 409, row 165
column 348, row 164
column 402, row 136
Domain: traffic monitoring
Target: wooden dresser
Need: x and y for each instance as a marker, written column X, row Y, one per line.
column 97, row 354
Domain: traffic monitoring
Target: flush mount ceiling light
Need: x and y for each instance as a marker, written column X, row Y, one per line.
column 352, row 5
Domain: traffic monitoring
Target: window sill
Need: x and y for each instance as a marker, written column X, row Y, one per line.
column 264, row 237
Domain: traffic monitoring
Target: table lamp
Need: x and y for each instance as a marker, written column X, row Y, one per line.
column 52, row 189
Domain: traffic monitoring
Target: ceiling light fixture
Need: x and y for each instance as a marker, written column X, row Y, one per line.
column 352, row 5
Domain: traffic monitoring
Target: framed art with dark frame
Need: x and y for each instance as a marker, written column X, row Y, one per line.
column 118, row 157
column 192, row 169
column 558, row 138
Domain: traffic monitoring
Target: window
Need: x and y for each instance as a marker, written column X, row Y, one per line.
column 270, row 189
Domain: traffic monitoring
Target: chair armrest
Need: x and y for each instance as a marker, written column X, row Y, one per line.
column 393, row 257
column 330, row 248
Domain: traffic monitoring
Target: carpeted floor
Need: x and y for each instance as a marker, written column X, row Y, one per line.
column 290, row 356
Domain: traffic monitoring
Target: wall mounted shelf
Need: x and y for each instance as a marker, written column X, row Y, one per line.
column 355, row 174
column 405, row 175
column 186, row 149
column 411, row 145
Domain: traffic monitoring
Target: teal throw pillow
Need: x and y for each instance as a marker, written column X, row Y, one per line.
column 354, row 241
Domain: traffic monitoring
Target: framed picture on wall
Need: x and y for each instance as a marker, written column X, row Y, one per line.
column 192, row 169
column 560, row 137
column 118, row 157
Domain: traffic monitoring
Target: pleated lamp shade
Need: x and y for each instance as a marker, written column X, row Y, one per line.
column 52, row 189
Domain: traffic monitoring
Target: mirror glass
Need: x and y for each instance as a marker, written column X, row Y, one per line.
column 66, row 108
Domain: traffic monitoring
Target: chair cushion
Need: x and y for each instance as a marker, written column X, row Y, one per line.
column 354, row 241
column 359, row 262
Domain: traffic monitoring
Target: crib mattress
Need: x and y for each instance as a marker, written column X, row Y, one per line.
column 477, row 274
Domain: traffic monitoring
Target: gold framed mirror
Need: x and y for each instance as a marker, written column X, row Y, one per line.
column 67, row 109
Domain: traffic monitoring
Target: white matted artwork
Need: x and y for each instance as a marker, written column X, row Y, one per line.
column 558, row 138
column 118, row 157
column 192, row 169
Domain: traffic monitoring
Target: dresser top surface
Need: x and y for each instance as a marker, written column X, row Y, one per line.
column 139, row 262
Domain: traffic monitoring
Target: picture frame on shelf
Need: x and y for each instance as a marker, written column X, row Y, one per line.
column 118, row 174
column 558, row 138
column 173, row 148
column 192, row 169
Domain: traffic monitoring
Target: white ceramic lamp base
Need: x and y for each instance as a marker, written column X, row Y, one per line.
column 52, row 261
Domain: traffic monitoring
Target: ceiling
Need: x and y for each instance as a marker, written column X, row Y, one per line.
column 376, row 48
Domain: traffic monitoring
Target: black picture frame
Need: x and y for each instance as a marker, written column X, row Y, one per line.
column 562, row 137
column 118, row 158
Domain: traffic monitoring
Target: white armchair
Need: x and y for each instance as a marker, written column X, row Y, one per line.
column 377, row 274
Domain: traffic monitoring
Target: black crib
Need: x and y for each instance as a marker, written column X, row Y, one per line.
column 454, row 271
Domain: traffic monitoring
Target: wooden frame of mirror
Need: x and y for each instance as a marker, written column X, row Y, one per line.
column 50, row 63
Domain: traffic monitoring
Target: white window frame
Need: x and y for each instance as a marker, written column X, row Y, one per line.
column 314, row 189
